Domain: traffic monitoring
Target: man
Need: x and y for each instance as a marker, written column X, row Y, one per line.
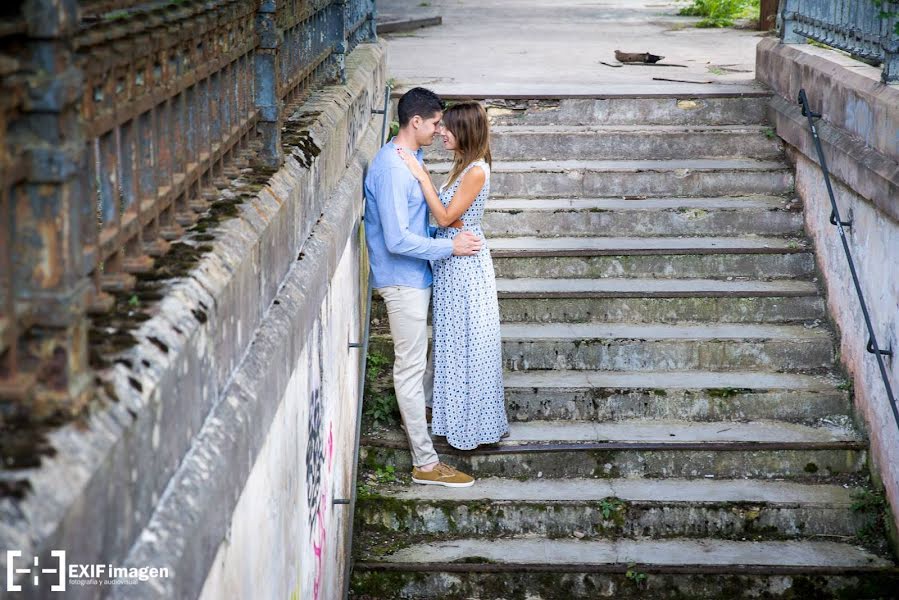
column 400, row 247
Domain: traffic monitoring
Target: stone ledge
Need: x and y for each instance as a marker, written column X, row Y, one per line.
column 848, row 93
column 219, row 462
column 871, row 174
column 99, row 491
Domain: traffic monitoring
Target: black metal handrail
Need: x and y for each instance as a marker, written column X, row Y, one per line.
column 840, row 224
column 363, row 365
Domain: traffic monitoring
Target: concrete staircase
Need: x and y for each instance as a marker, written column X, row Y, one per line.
column 679, row 429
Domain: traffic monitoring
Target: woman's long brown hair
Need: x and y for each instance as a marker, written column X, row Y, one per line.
column 468, row 122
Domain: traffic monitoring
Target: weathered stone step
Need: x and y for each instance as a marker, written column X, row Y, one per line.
column 620, row 300
column 651, row 288
column 627, row 110
column 612, row 246
column 642, row 448
column 550, row 569
column 630, row 347
column 761, row 215
column 658, row 257
column 627, row 142
column 588, row 508
column 634, row 178
column 625, row 347
column 684, row 395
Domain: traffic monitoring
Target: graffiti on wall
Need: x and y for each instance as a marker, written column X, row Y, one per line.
column 314, row 456
column 319, row 466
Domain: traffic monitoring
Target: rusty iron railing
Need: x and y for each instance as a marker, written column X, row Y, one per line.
column 119, row 121
column 867, row 29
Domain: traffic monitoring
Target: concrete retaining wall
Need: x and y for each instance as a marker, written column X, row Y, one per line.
column 238, row 402
column 859, row 133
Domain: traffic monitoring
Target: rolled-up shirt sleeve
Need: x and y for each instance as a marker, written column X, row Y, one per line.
column 392, row 189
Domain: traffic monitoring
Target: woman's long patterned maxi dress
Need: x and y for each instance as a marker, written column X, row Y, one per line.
column 469, row 404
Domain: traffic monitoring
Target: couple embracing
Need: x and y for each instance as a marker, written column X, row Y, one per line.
column 464, row 378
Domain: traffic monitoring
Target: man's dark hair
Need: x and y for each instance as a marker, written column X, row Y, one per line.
column 418, row 101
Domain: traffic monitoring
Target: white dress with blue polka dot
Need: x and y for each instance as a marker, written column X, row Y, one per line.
column 469, row 404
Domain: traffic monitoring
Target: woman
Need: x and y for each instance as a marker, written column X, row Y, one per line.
column 468, row 404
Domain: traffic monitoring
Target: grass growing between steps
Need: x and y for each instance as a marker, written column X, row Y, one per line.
column 379, row 407
column 874, row 534
column 720, row 13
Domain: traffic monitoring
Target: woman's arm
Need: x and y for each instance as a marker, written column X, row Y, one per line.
column 469, row 188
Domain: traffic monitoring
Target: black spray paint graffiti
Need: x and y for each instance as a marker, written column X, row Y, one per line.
column 315, row 453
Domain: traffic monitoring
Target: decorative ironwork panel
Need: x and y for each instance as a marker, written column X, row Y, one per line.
column 867, row 29
column 360, row 25
column 15, row 316
column 311, row 36
column 120, row 120
column 168, row 95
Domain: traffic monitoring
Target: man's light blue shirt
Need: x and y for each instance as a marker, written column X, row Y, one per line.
column 397, row 231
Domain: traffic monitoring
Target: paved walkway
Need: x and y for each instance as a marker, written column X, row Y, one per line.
column 555, row 46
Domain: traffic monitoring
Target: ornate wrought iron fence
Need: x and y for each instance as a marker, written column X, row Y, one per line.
column 867, row 29
column 117, row 119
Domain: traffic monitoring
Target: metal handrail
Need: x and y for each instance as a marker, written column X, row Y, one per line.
column 363, row 365
column 835, row 219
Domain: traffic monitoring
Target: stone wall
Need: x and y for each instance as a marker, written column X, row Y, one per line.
column 233, row 429
column 859, row 133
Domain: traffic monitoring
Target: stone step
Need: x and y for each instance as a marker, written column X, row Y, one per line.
column 683, row 395
column 600, row 508
column 626, row 142
column 630, row 347
column 651, row 288
column 644, row 448
column 657, row 257
column 693, row 109
column 617, row 300
column 541, row 568
column 626, row 347
column 759, row 215
column 634, row 178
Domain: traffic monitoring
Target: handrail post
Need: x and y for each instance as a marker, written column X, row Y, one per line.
column 788, row 11
column 891, row 46
column 267, row 79
column 372, row 23
column 342, row 44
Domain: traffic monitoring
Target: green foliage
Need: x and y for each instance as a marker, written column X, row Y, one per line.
column 379, row 400
column 610, row 506
column 635, row 576
column 872, row 504
column 382, row 410
column 386, row 474
column 868, row 501
column 375, row 367
column 720, row 13
column 886, row 14
column 363, row 491
column 394, row 128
